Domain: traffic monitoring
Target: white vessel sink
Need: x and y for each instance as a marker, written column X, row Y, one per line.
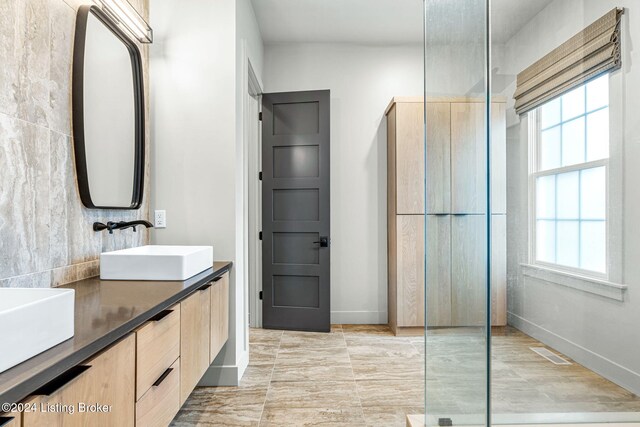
column 33, row 320
column 155, row 262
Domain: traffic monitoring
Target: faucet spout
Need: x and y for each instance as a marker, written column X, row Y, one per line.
column 120, row 225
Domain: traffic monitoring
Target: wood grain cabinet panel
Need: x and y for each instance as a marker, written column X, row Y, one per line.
column 498, row 270
column 409, row 158
column 468, row 270
column 468, row 158
column 410, row 285
column 195, row 321
column 439, row 270
column 107, row 379
column 438, row 158
column 161, row 402
column 158, row 346
column 219, row 315
column 498, row 158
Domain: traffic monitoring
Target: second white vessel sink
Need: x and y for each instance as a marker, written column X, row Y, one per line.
column 33, row 320
column 155, row 262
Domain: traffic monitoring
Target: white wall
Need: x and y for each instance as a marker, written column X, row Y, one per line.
column 362, row 80
column 198, row 156
column 601, row 333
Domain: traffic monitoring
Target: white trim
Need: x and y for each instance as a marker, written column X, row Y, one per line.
column 592, row 285
column 254, row 197
column 609, row 369
column 614, row 194
column 225, row 375
column 359, row 317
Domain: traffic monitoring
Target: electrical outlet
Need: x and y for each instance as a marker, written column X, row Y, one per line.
column 160, row 220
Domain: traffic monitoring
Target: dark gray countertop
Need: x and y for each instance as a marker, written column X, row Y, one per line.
column 105, row 311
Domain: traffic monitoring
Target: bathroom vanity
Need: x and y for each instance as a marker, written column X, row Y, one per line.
column 139, row 349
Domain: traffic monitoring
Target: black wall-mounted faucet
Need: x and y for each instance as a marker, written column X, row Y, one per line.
column 120, row 225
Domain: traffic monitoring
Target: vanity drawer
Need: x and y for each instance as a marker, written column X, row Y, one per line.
column 158, row 347
column 107, row 380
column 161, row 402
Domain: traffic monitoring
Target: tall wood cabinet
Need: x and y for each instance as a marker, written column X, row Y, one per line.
column 455, row 213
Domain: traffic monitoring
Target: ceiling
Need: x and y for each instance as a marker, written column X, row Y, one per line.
column 387, row 22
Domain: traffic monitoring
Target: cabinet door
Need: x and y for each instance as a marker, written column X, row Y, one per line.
column 195, row 319
column 438, row 158
column 108, row 379
column 219, row 315
column 410, row 282
column 469, row 156
column 409, row 158
column 439, row 270
column 498, row 159
column 468, row 270
column 499, row 270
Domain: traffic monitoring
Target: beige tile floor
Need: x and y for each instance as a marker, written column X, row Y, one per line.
column 363, row 375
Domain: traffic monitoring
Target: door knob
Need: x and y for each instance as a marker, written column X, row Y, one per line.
column 324, row 242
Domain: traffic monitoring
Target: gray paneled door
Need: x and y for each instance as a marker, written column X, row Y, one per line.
column 295, row 211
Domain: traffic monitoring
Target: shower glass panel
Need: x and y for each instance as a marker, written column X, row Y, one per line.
column 568, row 353
column 457, row 212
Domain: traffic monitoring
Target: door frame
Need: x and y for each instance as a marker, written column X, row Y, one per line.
column 253, row 142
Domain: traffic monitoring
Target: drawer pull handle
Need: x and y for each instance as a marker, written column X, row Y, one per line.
column 161, row 315
column 56, row 384
column 217, row 278
column 205, row 287
column 164, row 375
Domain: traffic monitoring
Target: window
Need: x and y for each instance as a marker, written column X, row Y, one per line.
column 569, row 179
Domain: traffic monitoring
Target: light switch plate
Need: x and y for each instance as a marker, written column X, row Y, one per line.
column 160, row 219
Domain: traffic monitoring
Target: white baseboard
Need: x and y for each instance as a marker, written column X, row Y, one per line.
column 225, row 375
column 359, row 317
column 609, row 369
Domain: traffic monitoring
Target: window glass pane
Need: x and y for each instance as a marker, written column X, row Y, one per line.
column 593, row 246
column 550, row 148
column 598, row 93
column 593, row 183
column 545, row 241
column 568, row 188
column 550, row 113
column 546, row 197
column 598, row 135
column 573, row 142
column 573, row 104
column 568, row 239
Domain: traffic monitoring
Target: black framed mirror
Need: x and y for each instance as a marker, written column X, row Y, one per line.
column 108, row 113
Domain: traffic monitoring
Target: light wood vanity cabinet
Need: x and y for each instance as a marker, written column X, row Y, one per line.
column 455, row 208
column 158, row 368
column 107, row 379
column 145, row 377
column 219, row 315
column 195, row 324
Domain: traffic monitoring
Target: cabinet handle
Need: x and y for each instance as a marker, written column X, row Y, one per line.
column 205, row 287
column 5, row 420
column 158, row 317
column 217, row 278
column 164, row 376
column 64, row 379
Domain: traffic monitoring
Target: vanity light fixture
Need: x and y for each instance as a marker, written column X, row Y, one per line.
column 128, row 18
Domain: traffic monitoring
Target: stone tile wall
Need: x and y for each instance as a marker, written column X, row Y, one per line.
column 46, row 236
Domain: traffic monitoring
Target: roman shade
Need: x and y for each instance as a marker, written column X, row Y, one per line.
column 591, row 52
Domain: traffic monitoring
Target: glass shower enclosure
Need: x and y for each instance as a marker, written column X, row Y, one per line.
column 529, row 319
